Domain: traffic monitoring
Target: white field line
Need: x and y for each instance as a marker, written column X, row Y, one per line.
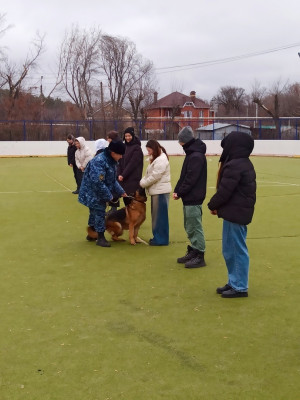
column 270, row 184
column 44, row 191
column 56, row 181
column 274, row 183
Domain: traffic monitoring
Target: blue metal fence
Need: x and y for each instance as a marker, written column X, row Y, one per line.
column 161, row 129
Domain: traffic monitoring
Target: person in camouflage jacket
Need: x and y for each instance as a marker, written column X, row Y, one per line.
column 99, row 186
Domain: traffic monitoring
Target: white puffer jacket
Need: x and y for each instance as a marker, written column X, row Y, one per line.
column 82, row 155
column 158, row 178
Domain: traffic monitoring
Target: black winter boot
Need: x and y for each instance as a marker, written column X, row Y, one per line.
column 222, row 289
column 101, row 241
column 196, row 262
column 191, row 253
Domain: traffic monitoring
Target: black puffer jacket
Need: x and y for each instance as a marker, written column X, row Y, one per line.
column 131, row 166
column 191, row 186
column 236, row 193
column 71, row 154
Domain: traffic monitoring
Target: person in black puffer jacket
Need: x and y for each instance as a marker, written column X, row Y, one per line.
column 191, row 188
column 130, row 167
column 71, row 161
column 234, row 202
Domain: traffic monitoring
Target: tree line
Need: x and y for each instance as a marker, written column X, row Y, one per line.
column 97, row 72
column 94, row 70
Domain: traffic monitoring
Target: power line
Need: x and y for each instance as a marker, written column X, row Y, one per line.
column 203, row 64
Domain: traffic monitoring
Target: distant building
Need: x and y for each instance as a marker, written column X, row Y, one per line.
column 218, row 131
column 177, row 110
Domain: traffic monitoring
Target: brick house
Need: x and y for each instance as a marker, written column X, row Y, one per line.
column 176, row 110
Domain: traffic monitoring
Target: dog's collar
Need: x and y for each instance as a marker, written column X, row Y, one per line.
column 133, row 198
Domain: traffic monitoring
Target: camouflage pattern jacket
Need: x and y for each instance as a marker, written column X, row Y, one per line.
column 99, row 184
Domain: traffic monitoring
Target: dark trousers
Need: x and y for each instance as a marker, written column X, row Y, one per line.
column 75, row 171
column 79, row 176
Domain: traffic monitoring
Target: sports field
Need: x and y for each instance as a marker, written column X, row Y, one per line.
column 81, row 322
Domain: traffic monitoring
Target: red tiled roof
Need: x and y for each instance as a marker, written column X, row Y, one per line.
column 177, row 99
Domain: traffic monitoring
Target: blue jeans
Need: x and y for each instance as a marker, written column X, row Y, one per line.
column 235, row 253
column 160, row 218
column 192, row 217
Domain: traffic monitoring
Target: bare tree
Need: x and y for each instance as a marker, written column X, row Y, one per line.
column 14, row 74
column 270, row 103
column 231, row 98
column 79, row 66
column 290, row 104
column 141, row 95
column 3, row 29
column 125, row 71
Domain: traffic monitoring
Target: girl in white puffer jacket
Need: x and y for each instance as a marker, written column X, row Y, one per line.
column 83, row 155
column 157, row 182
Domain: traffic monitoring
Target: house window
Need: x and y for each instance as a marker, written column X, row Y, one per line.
column 188, row 114
column 201, row 122
column 189, row 103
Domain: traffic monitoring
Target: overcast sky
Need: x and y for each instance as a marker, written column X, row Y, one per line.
column 173, row 33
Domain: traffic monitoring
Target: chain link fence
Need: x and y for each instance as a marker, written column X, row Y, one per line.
column 160, row 129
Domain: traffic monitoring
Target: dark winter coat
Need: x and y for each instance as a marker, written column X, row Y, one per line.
column 131, row 166
column 236, row 193
column 71, row 154
column 191, row 186
column 99, row 184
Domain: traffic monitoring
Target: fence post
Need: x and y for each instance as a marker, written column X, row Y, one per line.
column 259, row 130
column 140, row 129
column 165, row 133
column 51, row 130
column 213, row 130
column 90, row 130
column 24, row 130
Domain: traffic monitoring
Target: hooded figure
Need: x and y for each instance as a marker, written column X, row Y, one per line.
column 100, row 145
column 236, row 187
column 130, row 167
column 234, row 202
column 83, row 153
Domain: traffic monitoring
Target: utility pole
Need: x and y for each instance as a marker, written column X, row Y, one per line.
column 41, row 87
column 42, row 99
column 102, row 107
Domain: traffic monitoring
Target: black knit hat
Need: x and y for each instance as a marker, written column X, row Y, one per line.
column 130, row 130
column 117, row 146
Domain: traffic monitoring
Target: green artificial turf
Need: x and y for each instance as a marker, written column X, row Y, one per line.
column 81, row 322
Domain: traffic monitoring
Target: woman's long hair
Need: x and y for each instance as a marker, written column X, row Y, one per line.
column 157, row 149
column 220, row 170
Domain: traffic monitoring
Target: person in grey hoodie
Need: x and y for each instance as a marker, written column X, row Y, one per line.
column 191, row 188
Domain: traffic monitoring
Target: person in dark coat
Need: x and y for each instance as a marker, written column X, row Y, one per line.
column 99, row 186
column 71, row 160
column 130, row 168
column 191, row 188
column 234, row 202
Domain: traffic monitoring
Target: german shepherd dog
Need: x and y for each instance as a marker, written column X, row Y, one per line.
column 129, row 218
